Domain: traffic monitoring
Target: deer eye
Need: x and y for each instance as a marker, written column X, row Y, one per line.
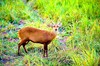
column 53, row 26
column 57, row 26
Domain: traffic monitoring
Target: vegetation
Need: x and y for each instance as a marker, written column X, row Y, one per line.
column 80, row 20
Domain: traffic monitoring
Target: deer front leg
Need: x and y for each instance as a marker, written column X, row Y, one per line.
column 45, row 51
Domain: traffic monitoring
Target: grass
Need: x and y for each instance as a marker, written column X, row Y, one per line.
column 81, row 20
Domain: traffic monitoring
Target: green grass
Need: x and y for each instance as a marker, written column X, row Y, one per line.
column 81, row 20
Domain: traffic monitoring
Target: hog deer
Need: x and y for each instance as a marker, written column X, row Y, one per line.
column 37, row 36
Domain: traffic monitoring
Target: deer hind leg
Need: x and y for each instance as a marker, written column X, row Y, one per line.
column 24, row 46
column 19, row 45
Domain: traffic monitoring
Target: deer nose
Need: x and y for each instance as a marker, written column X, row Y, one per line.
column 55, row 29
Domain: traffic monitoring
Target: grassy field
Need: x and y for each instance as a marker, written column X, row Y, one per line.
column 80, row 24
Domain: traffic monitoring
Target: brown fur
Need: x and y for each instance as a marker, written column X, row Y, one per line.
column 37, row 36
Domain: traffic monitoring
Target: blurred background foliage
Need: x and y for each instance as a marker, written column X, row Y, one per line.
column 81, row 22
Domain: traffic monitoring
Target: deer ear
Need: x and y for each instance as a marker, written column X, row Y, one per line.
column 51, row 24
column 59, row 24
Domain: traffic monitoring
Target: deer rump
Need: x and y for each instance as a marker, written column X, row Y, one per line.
column 36, row 36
